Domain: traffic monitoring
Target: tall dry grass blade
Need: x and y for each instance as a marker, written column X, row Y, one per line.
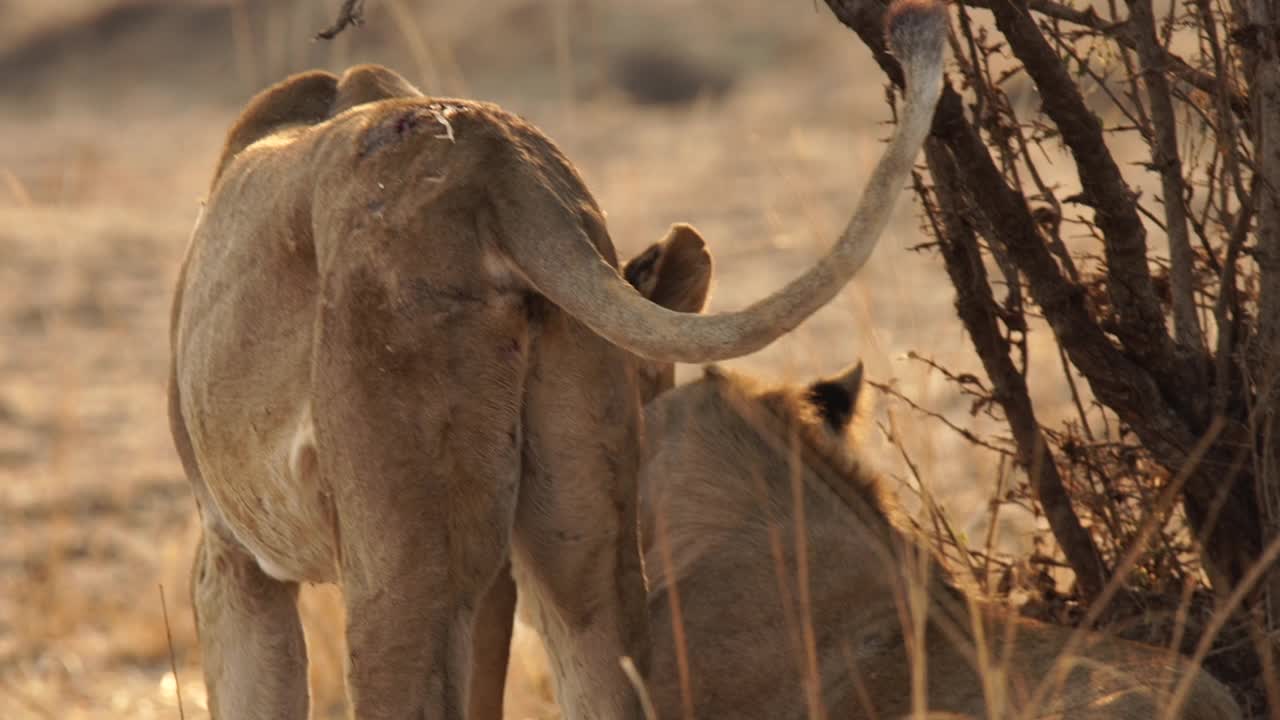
column 173, row 656
column 677, row 617
column 812, row 676
column 564, row 56
column 988, row 672
column 942, row 526
column 917, row 644
column 1006, row 692
column 994, row 505
column 790, row 615
column 415, row 40
column 859, row 686
column 242, row 44
column 16, row 187
column 1165, row 686
column 637, row 682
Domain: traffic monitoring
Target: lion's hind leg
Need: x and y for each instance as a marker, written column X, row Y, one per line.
column 424, row 523
column 575, row 552
column 418, row 434
column 494, row 622
column 254, row 654
column 255, row 658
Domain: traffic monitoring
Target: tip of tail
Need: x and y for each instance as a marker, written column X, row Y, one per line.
column 916, row 28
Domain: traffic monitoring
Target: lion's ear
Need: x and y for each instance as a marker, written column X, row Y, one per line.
column 714, row 372
column 841, row 400
column 304, row 98
column 674, row 272
column 370, row 83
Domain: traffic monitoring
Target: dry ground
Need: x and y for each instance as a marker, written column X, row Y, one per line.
column 111, row 116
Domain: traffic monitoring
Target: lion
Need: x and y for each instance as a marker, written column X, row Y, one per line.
column 779, row 582
column 403, row 355
column 676, row 274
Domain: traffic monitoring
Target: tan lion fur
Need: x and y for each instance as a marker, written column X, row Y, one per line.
column 727, row 461
column 311, row 465
column 403, row 355
column 675, row 273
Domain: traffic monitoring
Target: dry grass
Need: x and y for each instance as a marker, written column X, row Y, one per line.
column 113, row 124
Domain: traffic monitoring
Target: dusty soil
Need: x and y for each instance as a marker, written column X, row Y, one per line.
column 753, row 119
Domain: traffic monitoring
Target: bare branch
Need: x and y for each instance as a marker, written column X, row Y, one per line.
column 1264, row 355
column 1122, row 34
column 351, row 14
column 1265, row 81
column 977, row 309
column 1119, row 380
column 965, row 433
column 1164, row 148
column 1225, row 126
column 1228, row 303
column 1115, row 379
column 1140, row 320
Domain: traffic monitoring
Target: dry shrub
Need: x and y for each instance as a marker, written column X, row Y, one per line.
column 1155, row 272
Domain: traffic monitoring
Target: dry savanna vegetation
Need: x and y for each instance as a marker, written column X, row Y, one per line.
column 756, row 121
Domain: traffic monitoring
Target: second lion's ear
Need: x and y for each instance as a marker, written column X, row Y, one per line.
column 304, row 98
column 370, row 83
column 714, row 372
column 841, row 400
column 675, row 272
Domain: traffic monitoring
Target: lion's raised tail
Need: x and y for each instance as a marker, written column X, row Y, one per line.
column 549, row 246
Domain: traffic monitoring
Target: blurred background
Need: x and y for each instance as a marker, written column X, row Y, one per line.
column 755, row 120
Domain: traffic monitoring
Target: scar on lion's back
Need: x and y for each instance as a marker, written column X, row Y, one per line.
column 308, row 98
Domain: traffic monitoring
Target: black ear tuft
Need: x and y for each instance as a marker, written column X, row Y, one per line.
column 834, row 404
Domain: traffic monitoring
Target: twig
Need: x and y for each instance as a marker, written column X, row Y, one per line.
column 173, row 657
column 351, row 14
column 996, row 502
column 941, row 523
column 965, row 433
column 1134, row 115
column 1075, row 393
